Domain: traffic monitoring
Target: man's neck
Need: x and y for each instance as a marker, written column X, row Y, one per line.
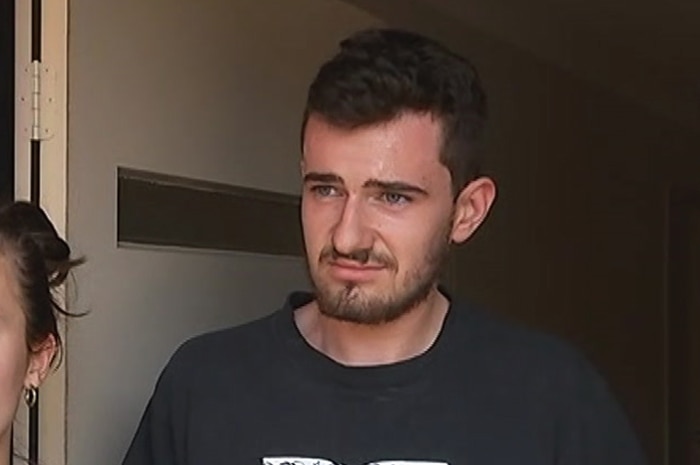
column 354, row 344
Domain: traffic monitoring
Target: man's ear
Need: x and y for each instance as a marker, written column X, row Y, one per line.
column 471, row 208
column 40, row 359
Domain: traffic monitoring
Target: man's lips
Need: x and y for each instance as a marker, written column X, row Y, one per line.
column 348, row 270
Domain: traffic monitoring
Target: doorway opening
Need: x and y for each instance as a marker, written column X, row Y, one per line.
column 7, row 99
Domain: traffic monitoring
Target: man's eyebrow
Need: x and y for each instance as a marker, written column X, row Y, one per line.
column 395, row 186
column 322, row 177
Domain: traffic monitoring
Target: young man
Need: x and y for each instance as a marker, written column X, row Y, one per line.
column 380, row 365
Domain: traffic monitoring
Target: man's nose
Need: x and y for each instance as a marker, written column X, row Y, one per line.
column 352, row 234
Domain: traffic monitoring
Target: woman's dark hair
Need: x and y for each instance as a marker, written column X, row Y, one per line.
column 378, row 74
column 42, row 262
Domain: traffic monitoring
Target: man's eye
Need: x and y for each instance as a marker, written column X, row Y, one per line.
column 324, row 191
column 394, row 198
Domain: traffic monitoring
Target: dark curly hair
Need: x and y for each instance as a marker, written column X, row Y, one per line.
column 42, row 261
column 380, row 73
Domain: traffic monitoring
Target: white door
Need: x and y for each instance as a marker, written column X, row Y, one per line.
column 209, row 90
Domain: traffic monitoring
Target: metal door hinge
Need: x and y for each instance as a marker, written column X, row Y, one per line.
column 37, row 96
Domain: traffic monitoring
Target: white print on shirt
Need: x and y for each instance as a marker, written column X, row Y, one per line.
column 310, row 461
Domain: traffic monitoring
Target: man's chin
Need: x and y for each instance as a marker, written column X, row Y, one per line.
column 359, row 308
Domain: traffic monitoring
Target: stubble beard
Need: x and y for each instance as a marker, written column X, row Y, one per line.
column 353, row 304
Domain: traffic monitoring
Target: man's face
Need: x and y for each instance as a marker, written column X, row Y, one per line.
column 377, row 215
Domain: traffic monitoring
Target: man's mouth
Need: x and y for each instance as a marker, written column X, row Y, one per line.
column 349, row 270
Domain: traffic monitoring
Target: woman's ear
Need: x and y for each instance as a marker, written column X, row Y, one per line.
column 471, row 208
column 40, row 359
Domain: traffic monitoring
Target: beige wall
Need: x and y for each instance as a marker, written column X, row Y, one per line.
column 575, row 244
column 208, row 89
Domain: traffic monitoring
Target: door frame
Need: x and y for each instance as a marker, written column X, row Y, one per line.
column 680, row 200
column 51, row 176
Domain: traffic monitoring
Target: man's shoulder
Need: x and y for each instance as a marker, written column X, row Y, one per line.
column 227, row 345
column 523, row 349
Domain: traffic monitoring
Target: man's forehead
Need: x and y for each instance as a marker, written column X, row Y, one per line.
column 407, row 128
column 405, row 150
